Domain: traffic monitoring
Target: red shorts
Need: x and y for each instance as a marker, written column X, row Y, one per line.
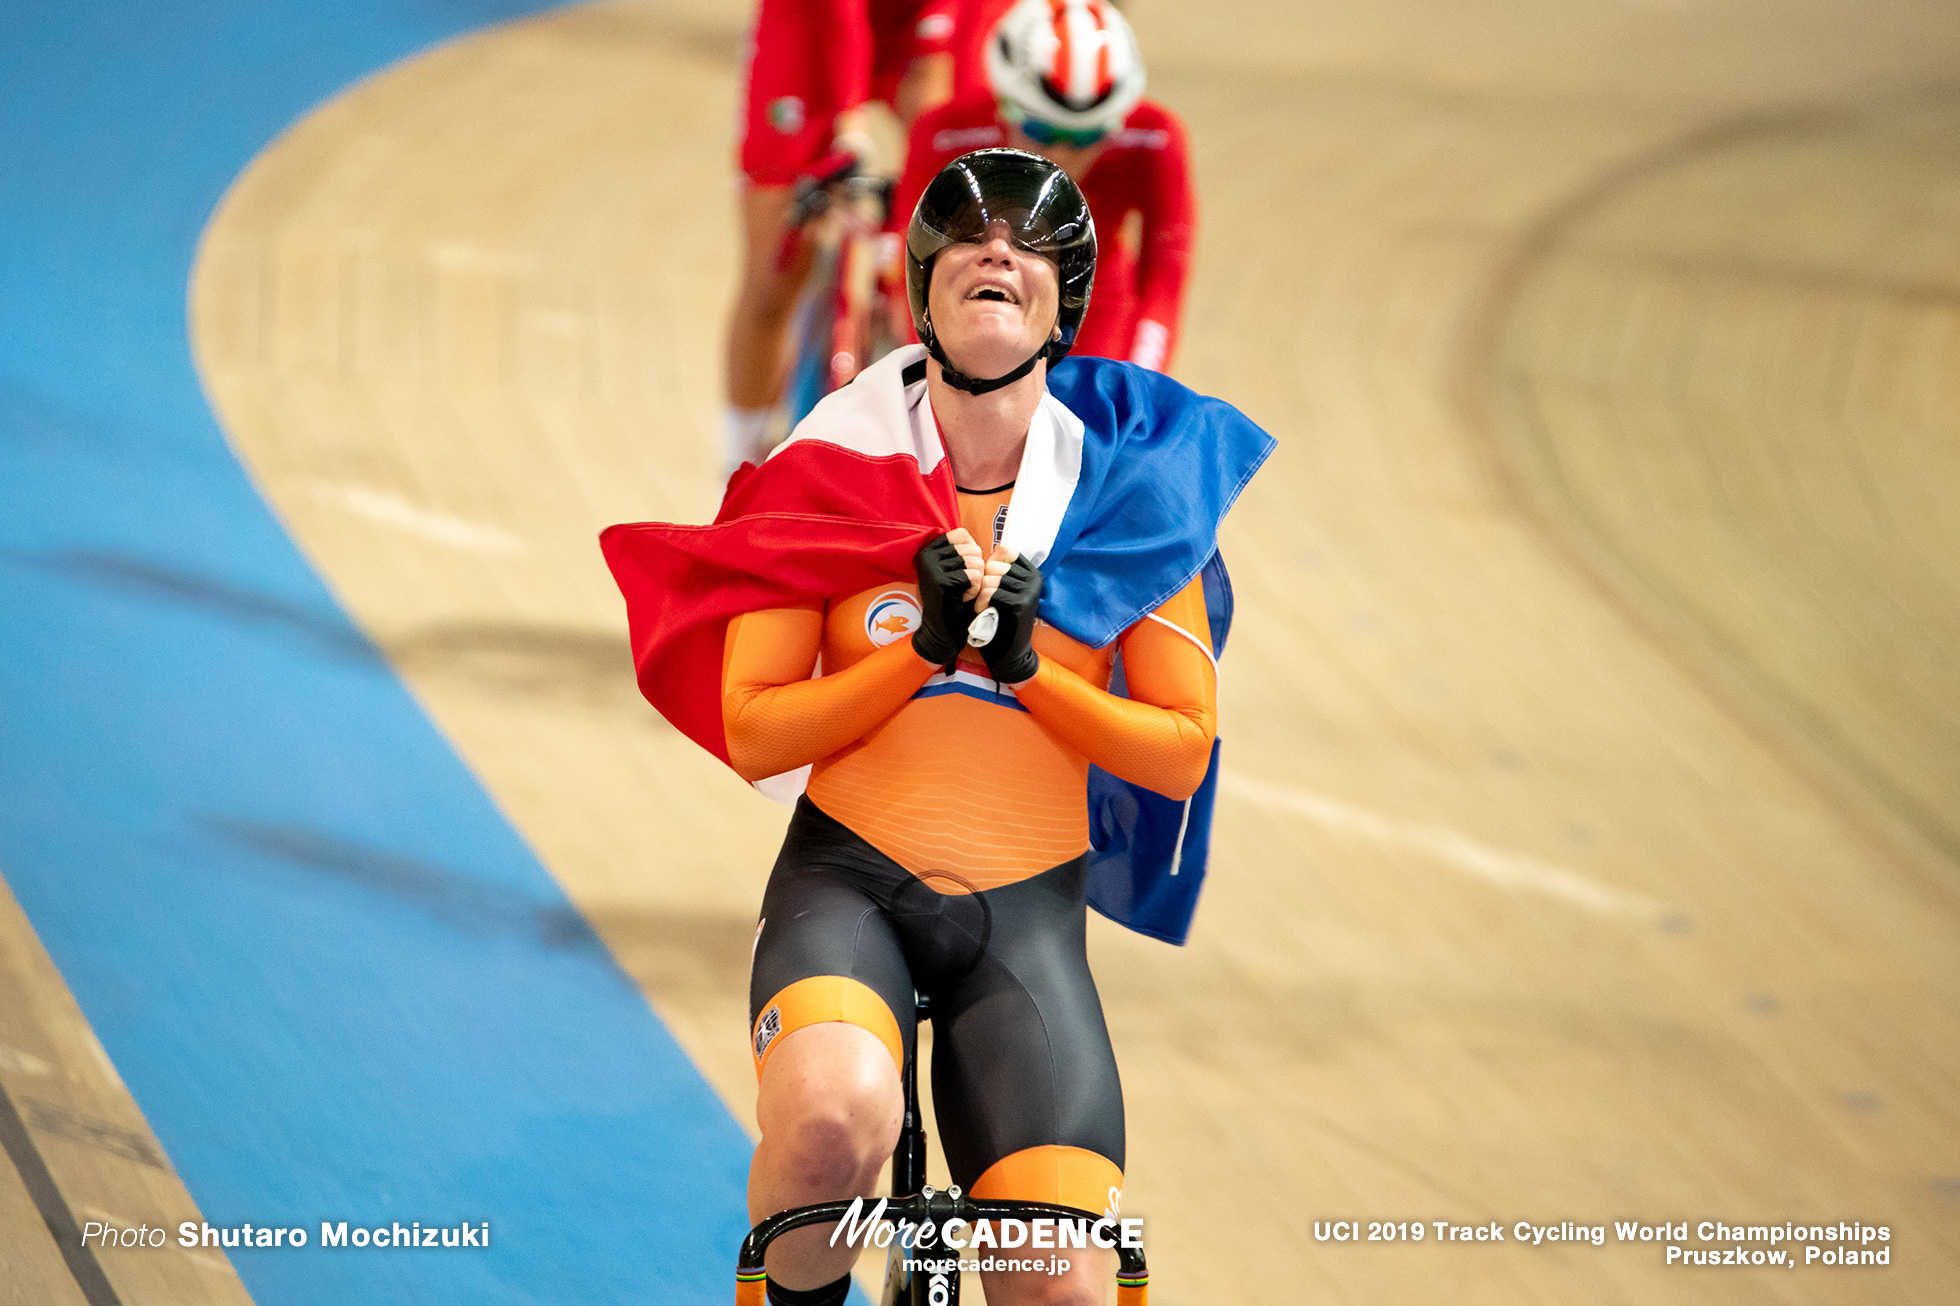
column 810, row 60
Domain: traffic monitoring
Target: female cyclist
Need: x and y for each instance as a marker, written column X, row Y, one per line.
column 914, row 610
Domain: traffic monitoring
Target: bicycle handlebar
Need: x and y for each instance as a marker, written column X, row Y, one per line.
column 813, row 193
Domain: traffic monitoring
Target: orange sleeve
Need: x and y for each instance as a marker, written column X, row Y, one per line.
column 1159, row 737
column 777, row 718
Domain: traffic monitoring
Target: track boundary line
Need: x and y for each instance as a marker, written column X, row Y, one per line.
column 40, row 1185
column 1498, row 867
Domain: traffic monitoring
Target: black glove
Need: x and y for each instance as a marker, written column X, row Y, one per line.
column 1010, row 653
column 944, row 613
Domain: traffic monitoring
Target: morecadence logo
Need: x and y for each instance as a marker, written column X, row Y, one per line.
column 963, row 1239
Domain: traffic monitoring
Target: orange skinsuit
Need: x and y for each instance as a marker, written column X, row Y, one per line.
column 951, row 782
column 948, row 777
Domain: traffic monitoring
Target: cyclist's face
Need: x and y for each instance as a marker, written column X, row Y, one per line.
column 992, row 302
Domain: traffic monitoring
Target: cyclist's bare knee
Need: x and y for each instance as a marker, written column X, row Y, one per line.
column 830, row 1105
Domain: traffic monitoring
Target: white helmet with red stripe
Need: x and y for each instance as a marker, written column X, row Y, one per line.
column 1066, row 64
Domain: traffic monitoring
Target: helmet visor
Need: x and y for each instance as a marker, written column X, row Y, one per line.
column 1043, row 213
column 1044, row 133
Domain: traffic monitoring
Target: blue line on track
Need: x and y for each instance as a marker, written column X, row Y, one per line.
column 336, row 981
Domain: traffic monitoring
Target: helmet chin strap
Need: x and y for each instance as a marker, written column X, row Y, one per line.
column 974, row 385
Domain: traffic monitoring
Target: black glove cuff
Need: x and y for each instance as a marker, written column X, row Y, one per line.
column 931, row 649
column 1020, row 669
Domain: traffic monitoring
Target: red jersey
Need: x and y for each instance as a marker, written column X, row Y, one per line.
column 974, row 22
column 810, row 60
column 1139, row 193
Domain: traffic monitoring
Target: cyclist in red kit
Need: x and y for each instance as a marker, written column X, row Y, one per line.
column 973, row 23
column 1065, row 80
column 812, row 67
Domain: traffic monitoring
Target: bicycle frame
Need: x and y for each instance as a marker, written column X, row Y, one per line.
column 835, row 328
column 917, row 1203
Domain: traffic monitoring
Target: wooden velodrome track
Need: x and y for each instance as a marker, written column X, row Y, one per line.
column 1589, row 843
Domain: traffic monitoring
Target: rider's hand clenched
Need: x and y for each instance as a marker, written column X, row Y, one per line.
column 949, row 571
column 1013, row 589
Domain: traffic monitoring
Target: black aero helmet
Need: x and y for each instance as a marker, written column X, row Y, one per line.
column 1045, row 214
